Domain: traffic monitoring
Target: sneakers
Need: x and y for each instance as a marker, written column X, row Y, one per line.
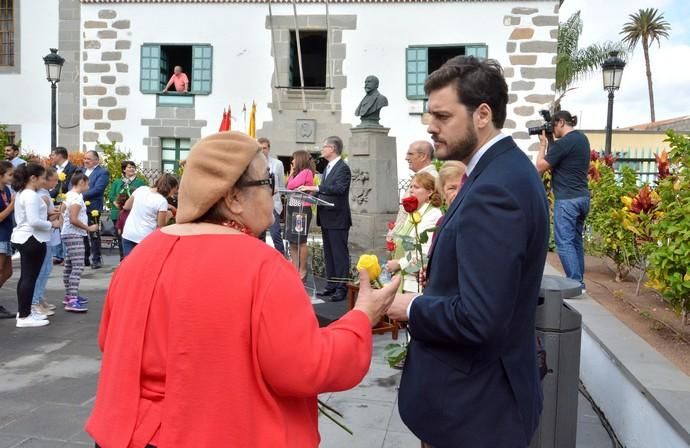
column 81, row 299
column 47, row 305
column 32, row 320
column 76, row 306
column 39, row 309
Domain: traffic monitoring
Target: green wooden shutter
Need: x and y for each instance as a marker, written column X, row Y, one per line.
column 202, row 64
column 150, row 69
column 479, row 51
column 417, row 71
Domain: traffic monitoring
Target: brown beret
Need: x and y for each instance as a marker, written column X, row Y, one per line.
column 213, row 166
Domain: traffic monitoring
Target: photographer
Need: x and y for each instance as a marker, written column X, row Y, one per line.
column 568, row 160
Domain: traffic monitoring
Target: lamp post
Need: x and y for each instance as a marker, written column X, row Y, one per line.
column 53, row 62
column 612, row 69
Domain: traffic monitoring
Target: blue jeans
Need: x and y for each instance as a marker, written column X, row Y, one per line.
column 127, row 247
column 569, row 222
column 43, row 274
column 59, row 252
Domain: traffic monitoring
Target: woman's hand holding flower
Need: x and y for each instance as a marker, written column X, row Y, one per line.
column 375, row 302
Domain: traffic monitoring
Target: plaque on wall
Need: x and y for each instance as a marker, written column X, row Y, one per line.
column 305, row 130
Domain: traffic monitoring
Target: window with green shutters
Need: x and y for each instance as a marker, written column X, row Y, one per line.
column 173, row 151
column 202, row 57
column 158, row 61
column 423, row 60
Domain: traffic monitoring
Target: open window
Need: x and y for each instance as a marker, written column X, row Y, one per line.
column 158, row 62
column 422, row 61
column 313, row 45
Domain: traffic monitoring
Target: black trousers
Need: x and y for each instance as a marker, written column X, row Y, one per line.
column 92, row 246
column 337, row 259
column 32, row 254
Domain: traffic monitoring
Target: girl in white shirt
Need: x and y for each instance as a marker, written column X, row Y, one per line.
column 149, row 210
column 30, row 236
column 74, row 229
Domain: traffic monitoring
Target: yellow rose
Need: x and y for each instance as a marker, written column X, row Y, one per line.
column 416, row 218
column 94, row 213
column 62, row 177
column 370, row 263
column 62, row 196
column 87, row 203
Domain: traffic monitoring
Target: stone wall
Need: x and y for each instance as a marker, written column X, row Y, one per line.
column 531, row 45
column 322, row 106
column 69, row 40
column 169, row 122
column 106, row 50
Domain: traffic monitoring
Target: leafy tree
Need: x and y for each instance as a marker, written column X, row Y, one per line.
column 573, row 63
column 646, row 26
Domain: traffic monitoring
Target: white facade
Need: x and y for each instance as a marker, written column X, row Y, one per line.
column 25, row 95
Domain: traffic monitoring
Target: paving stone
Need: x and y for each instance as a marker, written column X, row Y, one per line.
column 50, row 421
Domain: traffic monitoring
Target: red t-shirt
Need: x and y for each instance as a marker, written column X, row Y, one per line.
column 210, row 340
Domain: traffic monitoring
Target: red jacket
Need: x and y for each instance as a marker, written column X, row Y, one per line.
column 211, row 341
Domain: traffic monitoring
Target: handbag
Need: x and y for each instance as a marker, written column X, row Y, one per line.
column 107, row 226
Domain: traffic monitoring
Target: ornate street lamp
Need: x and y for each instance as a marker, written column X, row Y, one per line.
column 53, row 62
column 612, row 69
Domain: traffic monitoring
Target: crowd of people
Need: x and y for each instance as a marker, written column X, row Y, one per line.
column 245, row 368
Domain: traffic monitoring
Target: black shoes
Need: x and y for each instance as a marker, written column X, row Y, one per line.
column 325, row 293
column 335, row 298
column 96, row 265
column 4, row 314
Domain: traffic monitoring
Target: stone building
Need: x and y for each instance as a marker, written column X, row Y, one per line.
column 120, row 53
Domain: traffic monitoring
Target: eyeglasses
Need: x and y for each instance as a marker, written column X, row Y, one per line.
column 270, row 181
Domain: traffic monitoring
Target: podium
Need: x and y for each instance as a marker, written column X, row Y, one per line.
column 296, row 221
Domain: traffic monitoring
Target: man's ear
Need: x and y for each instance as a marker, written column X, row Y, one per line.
column 483, row 116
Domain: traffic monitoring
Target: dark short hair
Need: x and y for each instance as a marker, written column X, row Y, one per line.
column 336, row 143
column 13, row 146
column 476, row 81
column 5, row 166
column 565, row 116
column 78, row 177
column 264, row 140
column 125, row 163
column 62, row 151
column 165, row 184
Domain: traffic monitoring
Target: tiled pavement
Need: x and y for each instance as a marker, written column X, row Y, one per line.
column 48, row 379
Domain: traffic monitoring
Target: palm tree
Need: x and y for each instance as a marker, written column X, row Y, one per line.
column 572, row 63
column 646, row 26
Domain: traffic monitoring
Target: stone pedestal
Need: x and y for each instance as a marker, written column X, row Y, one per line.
column 374, row 189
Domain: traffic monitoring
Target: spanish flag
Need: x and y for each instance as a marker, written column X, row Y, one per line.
column 252, row 121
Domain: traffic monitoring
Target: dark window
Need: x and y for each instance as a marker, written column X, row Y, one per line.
column 313, row 46
column 7, row 33
column 174, row 150
column 439, row 55
column 11, row 137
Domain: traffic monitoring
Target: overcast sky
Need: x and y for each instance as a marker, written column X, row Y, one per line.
column 603, row 20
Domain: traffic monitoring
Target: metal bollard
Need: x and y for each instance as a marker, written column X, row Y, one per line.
column 560, row 328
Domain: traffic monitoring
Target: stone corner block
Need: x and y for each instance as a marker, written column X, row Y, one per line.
column 107, row 34
column 107, row 14
column 121, row 24
column 122, row 44
column 117, row 114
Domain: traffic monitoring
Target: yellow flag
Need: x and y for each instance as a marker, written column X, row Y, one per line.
column 252, row 121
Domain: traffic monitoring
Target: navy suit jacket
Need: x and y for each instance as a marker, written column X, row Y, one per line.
column 336, row 189
column 98, row 182
column 470, row 378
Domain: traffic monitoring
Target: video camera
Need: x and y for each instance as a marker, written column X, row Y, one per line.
column 547, row 126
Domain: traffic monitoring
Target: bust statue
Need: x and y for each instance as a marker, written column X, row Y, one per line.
column 372, row 103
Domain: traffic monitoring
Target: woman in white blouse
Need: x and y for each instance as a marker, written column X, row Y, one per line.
column 30, row 236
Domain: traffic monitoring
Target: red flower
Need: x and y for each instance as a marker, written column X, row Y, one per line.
column 662, row 164
column 644, row 201
column 410, row 204
column 594, row 173
column 608, row 160
column 391, row 225
column 593, row 156
column 390, row 246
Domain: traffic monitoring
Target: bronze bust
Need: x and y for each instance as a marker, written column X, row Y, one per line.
column 371, row 105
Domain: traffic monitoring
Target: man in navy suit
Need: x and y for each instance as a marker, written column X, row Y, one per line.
column 335, row 221
column 98, row 181
column 470, row 378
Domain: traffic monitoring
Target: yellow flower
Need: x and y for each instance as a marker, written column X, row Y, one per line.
column 627, row 201
column 94, row 213
column 62, row 196
column 62, row 177
column 87, row 203
column 416, row 217
column 370, row 263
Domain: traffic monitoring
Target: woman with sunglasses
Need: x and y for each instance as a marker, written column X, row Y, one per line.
column 149, row 210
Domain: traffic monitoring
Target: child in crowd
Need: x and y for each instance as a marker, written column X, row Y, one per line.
column 74, row 229
column 39, row 305
column 6, row 223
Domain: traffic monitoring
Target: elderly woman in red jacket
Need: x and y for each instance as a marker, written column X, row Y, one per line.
column 208, row 337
